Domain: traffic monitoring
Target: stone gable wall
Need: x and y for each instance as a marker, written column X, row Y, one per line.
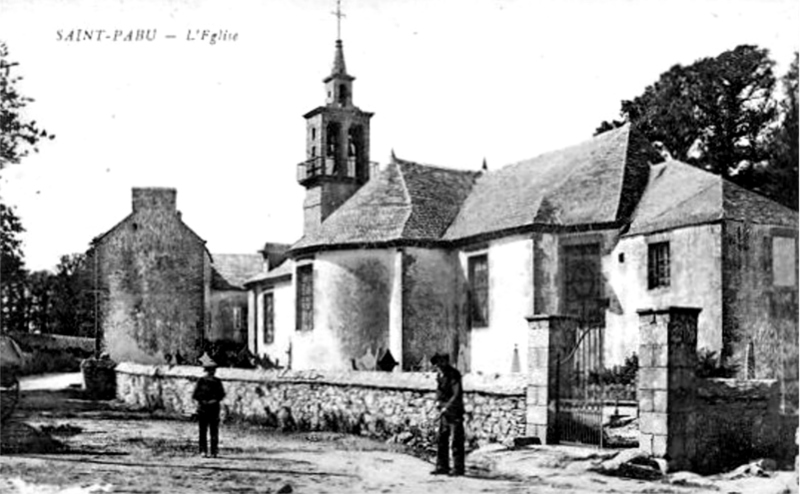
column 152, row 271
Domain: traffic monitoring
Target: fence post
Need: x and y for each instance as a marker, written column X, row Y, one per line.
column 549, row 337
column 667, row 359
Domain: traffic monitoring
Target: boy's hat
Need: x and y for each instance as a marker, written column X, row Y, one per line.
column 207, row 362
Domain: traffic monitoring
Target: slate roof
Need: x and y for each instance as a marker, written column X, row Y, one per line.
column 405, row 201
column 682, row 195
column 608, row 180
column 581, row 184
column 234, row 269
column 273, row 275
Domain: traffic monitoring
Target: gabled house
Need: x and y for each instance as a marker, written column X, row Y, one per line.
column 153, row 276
column 161, row 294
column 418, row 259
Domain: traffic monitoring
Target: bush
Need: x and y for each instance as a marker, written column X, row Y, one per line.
column 619, row 374
column 228, row 353
column 710, row 366
column 49, row 361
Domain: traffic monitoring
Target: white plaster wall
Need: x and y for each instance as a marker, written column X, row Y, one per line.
column 695, row 281
column 510, row 301
column 252, row 325
column 284, row 309
column 345, row 323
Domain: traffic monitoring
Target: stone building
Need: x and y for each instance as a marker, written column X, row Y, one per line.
column 419, row 259
column 160, row 292
column 229, row 295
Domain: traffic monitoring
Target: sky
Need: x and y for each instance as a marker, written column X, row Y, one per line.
column 451, row 82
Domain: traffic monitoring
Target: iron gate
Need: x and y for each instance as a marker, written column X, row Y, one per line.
column 580, row 389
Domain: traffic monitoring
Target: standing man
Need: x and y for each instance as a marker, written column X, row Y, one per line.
column 450, row 397
column 208, row 394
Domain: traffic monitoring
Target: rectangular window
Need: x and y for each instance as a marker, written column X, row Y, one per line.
column 237, row 318
column 658, row 265
column 478, row 267
column 269, row 318
column 305, row 297
column 784, row 261
column 583, row 282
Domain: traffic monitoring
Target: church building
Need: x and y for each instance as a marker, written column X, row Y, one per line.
column 416, row 259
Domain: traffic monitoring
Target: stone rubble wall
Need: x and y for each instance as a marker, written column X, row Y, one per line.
column 739, row 421
column 377, row 404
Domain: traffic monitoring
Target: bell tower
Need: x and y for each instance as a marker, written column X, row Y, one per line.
column 337, row 146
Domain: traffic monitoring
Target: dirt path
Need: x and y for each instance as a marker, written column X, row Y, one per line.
column 51, row 381
column 110, row 449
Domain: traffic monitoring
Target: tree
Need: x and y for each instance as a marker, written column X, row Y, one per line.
column 12, row 272
column 72, row 299
column 17, row 134
column 17, row 137
column 40, row 301
column 714, row 114
column 781, row 178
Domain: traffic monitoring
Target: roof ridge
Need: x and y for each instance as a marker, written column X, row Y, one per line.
column 401, row 161
column 604, row 136
column 410, row 208
column 625, row 154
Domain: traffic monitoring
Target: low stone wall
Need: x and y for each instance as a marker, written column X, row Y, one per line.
column 376, row 404
column 738, row 421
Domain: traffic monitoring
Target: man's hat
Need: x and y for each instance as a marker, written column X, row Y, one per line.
column 207, row 362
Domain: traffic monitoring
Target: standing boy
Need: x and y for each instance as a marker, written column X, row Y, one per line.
column 208, row 394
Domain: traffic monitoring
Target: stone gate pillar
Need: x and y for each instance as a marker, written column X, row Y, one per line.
column 549, row 338
column 667, row 360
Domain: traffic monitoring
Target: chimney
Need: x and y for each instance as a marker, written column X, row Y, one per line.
column 273, row 254
column 154, row 198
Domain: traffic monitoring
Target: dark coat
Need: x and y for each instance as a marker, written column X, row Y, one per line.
column 208, row 392
column 449, row 393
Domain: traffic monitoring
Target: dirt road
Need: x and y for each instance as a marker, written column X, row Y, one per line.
column 107, row 448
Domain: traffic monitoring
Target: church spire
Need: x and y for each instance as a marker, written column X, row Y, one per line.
column 339, row 69
column 337, row 144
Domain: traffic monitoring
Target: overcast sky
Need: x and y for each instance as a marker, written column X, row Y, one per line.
column 450, row 82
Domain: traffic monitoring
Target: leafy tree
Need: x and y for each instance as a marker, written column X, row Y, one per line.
column 12, row 272
column 715, row 113
column 73, row 298
column 40, row 300
column 781, row 177
column 18, row 135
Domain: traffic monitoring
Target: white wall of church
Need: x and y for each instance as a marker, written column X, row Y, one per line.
column 353, row 291
column 695, row 281
column 284, row 313
column 493, row 348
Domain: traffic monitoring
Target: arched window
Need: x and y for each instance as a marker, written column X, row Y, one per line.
column 332, row 139
column 343, row 96
column 751, row 360
column 355, row 143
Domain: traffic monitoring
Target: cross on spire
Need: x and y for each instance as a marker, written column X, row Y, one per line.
column 339, row 16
